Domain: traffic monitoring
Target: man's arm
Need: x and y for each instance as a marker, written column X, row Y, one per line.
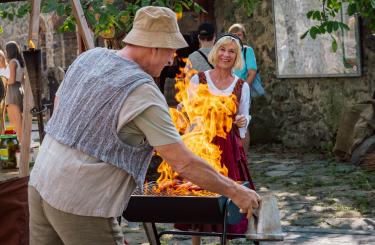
column 196, row 170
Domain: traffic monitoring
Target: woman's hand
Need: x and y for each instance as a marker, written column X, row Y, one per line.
column 240, row 121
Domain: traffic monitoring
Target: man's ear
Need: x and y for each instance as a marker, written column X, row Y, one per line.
column 154, row 51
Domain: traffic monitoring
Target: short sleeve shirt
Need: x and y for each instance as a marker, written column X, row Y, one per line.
column 249, row 64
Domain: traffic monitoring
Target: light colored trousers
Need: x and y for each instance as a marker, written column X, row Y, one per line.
column 49, row 226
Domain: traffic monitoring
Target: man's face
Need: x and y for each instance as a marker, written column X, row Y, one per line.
column 160, row 57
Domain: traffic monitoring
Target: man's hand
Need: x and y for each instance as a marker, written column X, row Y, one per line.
column 240, row 121
column 246, row 200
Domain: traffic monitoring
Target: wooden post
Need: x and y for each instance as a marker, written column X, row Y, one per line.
column 26, row 128
column 28, row 97
column 34, row 21
column 83, row 28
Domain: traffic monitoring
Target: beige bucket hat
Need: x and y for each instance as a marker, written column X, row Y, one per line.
column 155, row 27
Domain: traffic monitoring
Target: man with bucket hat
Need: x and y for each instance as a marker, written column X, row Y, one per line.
column 109, row 118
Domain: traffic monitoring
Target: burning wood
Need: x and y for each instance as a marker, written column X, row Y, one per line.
column 175, row 187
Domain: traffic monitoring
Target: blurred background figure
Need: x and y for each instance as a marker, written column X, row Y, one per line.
column 198, row 59
column 14, row 91
column 4, row 75
column 249, row 69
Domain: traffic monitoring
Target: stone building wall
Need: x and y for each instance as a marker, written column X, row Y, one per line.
column 58, row 49
column 303, row 112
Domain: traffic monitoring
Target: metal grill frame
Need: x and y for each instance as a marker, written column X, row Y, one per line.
column 151, row 209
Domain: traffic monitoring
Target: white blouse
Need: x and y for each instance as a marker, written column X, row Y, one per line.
column 244, row 105
column 4, row 72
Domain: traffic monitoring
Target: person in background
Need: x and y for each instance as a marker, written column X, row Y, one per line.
column 198, row 59
column 109, row 118
column 249, row 70
column 4, row 69
column 14, row 92
column 226, row 56
column 4, row 75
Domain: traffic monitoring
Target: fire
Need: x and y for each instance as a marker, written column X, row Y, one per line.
column 31, row 44
column 200, row 118
column 178, row 15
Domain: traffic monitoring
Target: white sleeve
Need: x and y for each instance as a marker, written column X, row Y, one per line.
column 244, row 107
column 193, row 85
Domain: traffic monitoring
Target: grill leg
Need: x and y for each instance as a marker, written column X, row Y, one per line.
column 224, row 235
column 152, row 233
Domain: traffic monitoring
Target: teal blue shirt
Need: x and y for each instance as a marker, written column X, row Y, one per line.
column 249, row 64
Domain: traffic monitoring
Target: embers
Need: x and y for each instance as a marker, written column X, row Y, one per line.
column 172, row 188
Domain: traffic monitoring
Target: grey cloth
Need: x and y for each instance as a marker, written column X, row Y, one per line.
column 198, row 62
column 14, row 95
column 92, row 93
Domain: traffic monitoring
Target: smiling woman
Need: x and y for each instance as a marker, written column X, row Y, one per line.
column 230, row 43
column 225, row 56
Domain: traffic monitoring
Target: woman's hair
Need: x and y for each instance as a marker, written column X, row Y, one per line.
column 2, row 57
column 223, row 40
column 13, row 52
column 237, row 27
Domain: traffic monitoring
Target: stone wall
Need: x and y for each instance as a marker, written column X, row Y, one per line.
column 58, row 49
column 304, row 112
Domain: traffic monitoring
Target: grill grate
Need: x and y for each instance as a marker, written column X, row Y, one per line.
column 173, row 190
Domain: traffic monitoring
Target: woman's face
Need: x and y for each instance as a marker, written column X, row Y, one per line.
column 239, row 34
column 227, row 55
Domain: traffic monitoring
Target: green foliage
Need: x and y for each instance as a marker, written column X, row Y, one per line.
column 248, row 5
column 110, row 19
column 327, row 24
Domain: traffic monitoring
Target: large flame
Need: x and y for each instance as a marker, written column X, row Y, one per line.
column 200, row 117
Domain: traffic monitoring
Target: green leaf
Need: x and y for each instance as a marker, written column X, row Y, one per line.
column 335, row 25
column 60, row 10
column 198, row 8
column 329, row 26
column 316, row 15
column 322, row 30
column 23, row 10
column 90, row 18
column 178, row 8
column 343, row 26
column 10, row 16
column 1, row 29
column 310, row 14
column 146, row 2
column 372, row 3
column 186, row 5
column 314, row 31
column 334, row 45
column 304, row 34
column 352, row 9
column 50, row 6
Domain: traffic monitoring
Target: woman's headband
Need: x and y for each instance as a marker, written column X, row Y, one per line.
column 233, row 37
